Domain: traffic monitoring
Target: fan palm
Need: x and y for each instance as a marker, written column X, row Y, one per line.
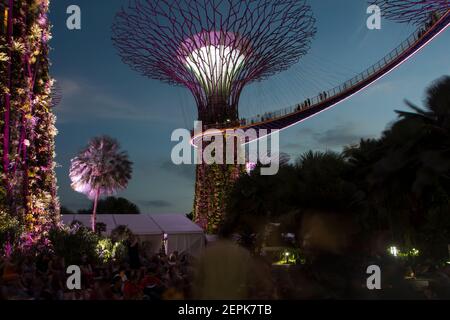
column 419, row 143
column 415, row 167
column 100, row 169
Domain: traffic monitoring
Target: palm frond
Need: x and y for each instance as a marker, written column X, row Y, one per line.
column 100, row 166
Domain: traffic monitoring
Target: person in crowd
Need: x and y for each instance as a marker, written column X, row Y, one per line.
column 116, row 288
column 131, row 288
column 86, row 270
column 133, row 253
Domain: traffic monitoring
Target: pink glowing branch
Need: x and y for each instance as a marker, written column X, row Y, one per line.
column 417, row 12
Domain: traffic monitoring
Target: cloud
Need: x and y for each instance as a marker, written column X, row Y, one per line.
column 305, row 131
column 69, row 87
column 292, row 146
column 83, row 100
column 156, row 203
column 184, row 171
column 386, row 87
column 341, row 135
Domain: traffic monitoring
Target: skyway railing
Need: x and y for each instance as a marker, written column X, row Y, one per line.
column 335, row 92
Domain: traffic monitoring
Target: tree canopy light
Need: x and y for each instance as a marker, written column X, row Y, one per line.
column 215, row 59
column 213, row 47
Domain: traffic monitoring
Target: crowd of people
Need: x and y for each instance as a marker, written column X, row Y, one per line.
column 159, row 277
column 172, row 277
column 322, row 96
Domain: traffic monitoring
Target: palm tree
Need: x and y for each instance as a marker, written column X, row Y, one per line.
column 325, row 183
column 430, row 126
column 415, row 167
column 100, row 169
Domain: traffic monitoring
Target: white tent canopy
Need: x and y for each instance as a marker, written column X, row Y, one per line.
column 182, row 234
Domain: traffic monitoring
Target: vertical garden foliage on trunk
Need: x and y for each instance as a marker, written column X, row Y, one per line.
column 27, row 119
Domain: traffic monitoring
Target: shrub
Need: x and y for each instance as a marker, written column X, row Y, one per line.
column 73, row 242
column 107, row 250
column 121, row 233
column 10, row 231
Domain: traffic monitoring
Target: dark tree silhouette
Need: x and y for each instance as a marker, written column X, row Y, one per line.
column 397, row 186
column 65, row 210
column 113, row 205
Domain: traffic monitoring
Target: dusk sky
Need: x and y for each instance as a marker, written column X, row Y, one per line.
column 101, row 95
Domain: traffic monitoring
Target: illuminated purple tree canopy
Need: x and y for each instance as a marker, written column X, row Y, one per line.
column 101, row 168
column 213, row 47
column 412, row 11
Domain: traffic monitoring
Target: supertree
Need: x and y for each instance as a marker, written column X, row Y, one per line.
column 417, row 12
column 214, row 48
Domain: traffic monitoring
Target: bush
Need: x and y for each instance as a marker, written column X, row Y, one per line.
column 107, row 250
column 10, row 231
column 73, row 242
column 121, row 234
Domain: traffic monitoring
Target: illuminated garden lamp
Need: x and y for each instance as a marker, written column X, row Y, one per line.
column 414, row 252
column 394, row 251
column 287, row 255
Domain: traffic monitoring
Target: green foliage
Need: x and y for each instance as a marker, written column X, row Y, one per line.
column 107, row 250
column 289, row 256
column 121, row 234
column 398, row 183
column 113, row 205
column 65, row 211
column 10, row 229
column 76, row 241
column 325, row 183
column 72, row 243
column 100, row 227
column 31, row 181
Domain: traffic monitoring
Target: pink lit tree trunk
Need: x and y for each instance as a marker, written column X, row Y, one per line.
column 94, row 210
